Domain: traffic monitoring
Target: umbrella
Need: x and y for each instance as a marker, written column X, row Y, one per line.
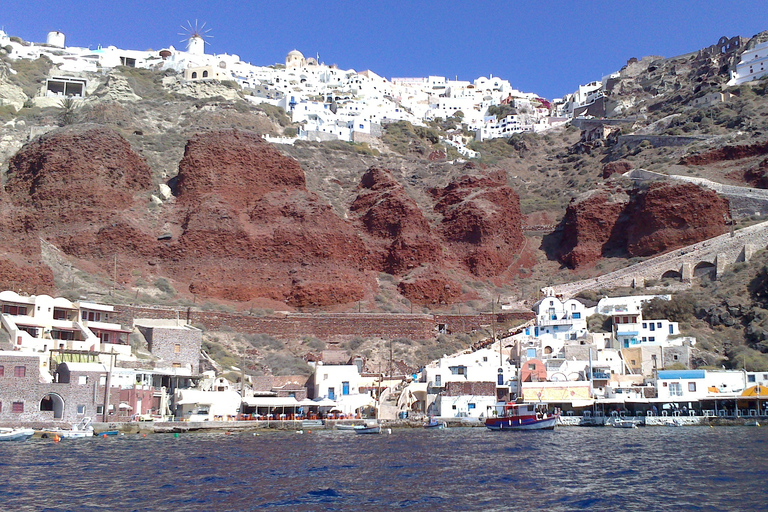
column 124, row 407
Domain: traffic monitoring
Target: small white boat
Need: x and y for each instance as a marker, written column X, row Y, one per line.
column 15, row 434
column 79, row 431
column 624, row 423
column 368, row 429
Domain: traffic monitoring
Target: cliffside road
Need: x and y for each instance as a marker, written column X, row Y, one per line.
column 713, row 254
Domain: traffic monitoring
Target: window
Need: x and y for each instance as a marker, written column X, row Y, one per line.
column 632, row 362
column 205, row 74
column 675, row 357
column 658, row 324
column 15, row 310
column 458, row 370
column 194, row 74
column 692, row 387
column 470, row 406
column 91, row 316
column 20, row 371
column 453, row 407
column 80, row 410
column 82, row 379
column 99, row 409
column 750, row 378
column 438, row 381
column 577, row 315
column 176, row 365
column 671, row 329
column 675, row 389
column 2, row 371
column 532, row 367
column 17, row 407
column 651, row 338
column 645, row 325
column 645, row 339
column 177, row 348
column 653, row 326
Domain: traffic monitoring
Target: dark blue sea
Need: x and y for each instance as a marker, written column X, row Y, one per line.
column 646, row 469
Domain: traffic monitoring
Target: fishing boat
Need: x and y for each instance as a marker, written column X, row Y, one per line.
column 78, row 431
column 15, row 434
column 368, row 429
column 433, row 423
column 347, row 426
column 521, row 416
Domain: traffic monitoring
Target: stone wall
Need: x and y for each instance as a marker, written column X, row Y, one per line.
column 470, row 389
column 176, row 346
column 324, row 326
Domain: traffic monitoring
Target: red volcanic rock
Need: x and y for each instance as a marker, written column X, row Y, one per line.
column 482, row 222
column 588, row 227
column 78, row 173
column 216, row 164
column 427, row 285
column 29, row 278
column 726, row 153
column 252, row 229
column 400, row 233
column 757, row 176
column 665, row 217
column 612, row 168
column 658, row 219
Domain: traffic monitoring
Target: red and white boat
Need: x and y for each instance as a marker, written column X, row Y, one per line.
column 522, row 416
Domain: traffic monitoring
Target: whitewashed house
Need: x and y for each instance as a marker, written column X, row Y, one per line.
column 752, row 66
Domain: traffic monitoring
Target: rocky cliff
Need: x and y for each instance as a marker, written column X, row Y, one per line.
column 648, row 221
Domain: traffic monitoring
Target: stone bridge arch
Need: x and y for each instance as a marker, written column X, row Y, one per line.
column 704, row 268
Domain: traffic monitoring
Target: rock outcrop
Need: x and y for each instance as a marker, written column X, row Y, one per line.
column 482, row 222
column 651, row 221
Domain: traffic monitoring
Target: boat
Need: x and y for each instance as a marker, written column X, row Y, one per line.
column 368, row 429
column 347, row 426
column 16, row 434
column 521, row 416
column 624, row 423
column 674, row 423
column 78, row 431
column 433, row 423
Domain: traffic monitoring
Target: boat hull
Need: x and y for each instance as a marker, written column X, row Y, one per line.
column 368, row 430
column 521, row 423
column 19, row 434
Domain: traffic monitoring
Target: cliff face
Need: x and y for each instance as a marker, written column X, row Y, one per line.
column 655, row 220
column 663, row 218
column 250, row 228
column 589, row 228
column 481, row 222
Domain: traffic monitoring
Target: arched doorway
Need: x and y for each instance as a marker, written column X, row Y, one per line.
column 53, row 402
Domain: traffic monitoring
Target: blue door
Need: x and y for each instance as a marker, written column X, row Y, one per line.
column 345, row 388
column 331, row 394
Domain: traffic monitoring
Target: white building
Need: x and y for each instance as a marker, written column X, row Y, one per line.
column 629, row 327
column 753, row 65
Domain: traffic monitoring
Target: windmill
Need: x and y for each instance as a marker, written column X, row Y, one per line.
column 195, row 37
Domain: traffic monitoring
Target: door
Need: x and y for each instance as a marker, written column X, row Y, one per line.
column 345, row 388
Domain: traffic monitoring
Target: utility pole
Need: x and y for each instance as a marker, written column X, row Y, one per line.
column 105, row 412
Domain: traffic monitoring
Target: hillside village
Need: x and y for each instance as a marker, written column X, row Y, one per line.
column 593, row 359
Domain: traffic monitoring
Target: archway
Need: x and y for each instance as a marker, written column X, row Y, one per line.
column 53, row 402
column 703, row 268
column 671, row 274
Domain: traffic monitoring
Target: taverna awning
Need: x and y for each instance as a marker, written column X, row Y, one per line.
column 757, row 391
column 270, row 401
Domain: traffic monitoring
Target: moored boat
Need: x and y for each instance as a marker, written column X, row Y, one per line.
column 79, row 431
column 15, row 434
column 521, row 416
column 433, row 423
column 368, row 429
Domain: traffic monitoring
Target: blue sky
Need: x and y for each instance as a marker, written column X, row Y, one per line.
column 546, row 47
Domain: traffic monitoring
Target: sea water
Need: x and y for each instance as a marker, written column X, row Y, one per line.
column 691, row 468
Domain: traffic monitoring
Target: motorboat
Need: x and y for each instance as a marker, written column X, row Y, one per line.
column 16, row 434
column 625, row 423
column 374, row 428
column 433, row 423
column 521, row 416
column 80, row 430
column 348, row 427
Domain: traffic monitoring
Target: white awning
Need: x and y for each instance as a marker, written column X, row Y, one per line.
column 270, row 401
